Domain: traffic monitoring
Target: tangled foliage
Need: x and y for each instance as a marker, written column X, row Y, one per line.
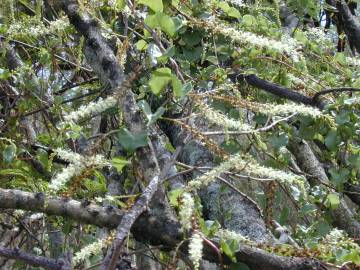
column 276, row 107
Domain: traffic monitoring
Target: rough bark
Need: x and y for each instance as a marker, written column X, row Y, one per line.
column 46, row 263
column 351, row 25
column 245, row 216
column 342, row 216
column 152, row 227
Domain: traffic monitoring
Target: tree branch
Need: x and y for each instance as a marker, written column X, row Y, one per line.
column 278, row 90
column 153, row 227
column 103, row 61
column 34, row 260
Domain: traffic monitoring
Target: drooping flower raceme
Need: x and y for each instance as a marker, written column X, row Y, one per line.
column 288, row 108
column 32, row 26
column 220, row 119
column 196, row 249
column 208, row 177
column 287, row 45
column 90, row 109
column 231, row 235
column 186, row 210
column 77, row 165
column 251, row 167
column 89, row 250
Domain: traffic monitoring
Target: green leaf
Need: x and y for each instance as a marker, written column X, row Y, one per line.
column 343, row 117
column 132, row 141
column 233, row 12
column 332, row 200
column 155, row 116
column 279, row 140
column 155, row 5
column 164, row 21
column 187, row 87
column 301, row 36
column 141, row 45
column 159, row 79
column 4, row 74
column 308, row 209
column 151, row 117
column 177, row 86
column 145, row 107
column 340, row 176
column 120, row 4
column 174, row 196
column 332, row 140
column 224, row 6
column 15, row 172
column 230, row 247
column 119, row 163
column 284, row 215
column 340, row 58
column 167, row 24
column 248, row 20
column 9, row 153
column 175, row 3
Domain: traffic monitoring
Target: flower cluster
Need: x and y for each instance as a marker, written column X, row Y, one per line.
column 58, row 25
column 317, row 34
column 210, row 176
column 91, row 249
column 335, row 236
column 227, row 235
column 186, row 210
column 215, row 117
column 196, row 249
column 250, row 166
column 77, row 165
column 295, row 80
column 34, row 27
column 353, row 61
column 289, row 108
column 92, row 108
column 287, row 45
column 238, row 3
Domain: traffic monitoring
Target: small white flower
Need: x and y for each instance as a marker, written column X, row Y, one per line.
column 335, row 236
column 90, row 109
column 217, row 118
column 77, row 165
column 211, row 175
column 289, row 108
column 186, row 210
column 231, row 235
column 238, row 3
column 287, row 45
column 196, row 249
column 89, row 250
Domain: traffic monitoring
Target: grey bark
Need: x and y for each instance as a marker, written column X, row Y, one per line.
column 153, row 227
column 245, row 216
column 342, row 216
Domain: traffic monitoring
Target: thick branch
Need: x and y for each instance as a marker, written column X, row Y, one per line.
column 103, row 61
column 279, row 91
column 153, row 227
column 82, row 212
column 33, row 260
column 342, row 215
column 351, row 25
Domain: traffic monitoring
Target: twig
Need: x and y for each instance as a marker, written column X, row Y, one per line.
column 334, row 90
column 263, row 129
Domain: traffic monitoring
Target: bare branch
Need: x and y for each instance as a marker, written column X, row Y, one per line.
column 34, row 260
